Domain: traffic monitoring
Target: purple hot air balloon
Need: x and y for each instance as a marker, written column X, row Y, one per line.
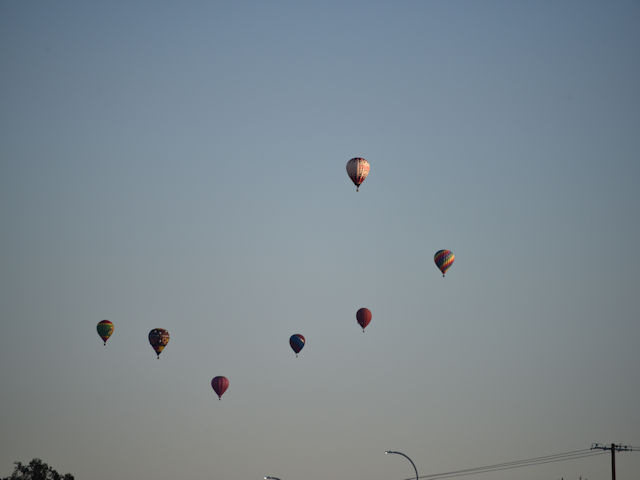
column 363, row 316
column 220, row 385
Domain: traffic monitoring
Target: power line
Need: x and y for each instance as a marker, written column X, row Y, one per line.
column 614, row 446
column 509, row 466
column 557, row 457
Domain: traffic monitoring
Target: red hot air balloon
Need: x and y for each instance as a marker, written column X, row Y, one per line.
column 358, row 169
column 220, row 385
column 105, row 329
column 444, row 259
column 297, row 342
column 158, row 338
column 363, row 316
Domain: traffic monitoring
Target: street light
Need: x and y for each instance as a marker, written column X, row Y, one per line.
column 400, row 453
column 269, row 477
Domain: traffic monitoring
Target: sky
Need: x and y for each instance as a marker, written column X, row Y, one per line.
column 181, row 165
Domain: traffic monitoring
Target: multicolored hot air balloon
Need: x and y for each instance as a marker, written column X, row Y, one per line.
column 363, row 316
column 297, row 342
column 357, row 169
column 444, row 259
column 158, row 338
column 105, row 329
column 220, row 385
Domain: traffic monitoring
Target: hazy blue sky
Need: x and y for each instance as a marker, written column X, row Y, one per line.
column 182, row 165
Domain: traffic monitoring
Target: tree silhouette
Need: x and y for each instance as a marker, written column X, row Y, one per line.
column 36, row 470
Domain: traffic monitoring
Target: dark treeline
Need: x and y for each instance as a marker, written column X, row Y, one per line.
column 36, row 470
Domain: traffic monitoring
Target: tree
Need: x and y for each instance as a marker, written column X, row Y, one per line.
column 36, row 470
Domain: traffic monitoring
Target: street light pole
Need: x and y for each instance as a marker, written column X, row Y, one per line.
column 269, row 477
column 400, row 453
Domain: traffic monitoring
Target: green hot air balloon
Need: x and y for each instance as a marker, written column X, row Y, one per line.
column 105, row 329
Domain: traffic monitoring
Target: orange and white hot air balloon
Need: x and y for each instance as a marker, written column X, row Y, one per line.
column 358, row 169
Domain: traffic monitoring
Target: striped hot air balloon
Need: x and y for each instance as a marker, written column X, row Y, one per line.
column 357, row 169
column 444, row 259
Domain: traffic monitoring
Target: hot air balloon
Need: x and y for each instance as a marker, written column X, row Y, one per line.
column 220, row 385
column 105, row 329
column 297, row 342
column 158, row 338
column 357, row 169
column 444, row 259
column 363, row 316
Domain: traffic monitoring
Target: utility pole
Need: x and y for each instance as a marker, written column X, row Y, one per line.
column 613, row 447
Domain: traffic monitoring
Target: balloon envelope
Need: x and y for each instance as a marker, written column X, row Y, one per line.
column 363, row 316
column 158, row 338
column 297, row 342
column 444, row 259
column 105, row 329
column 220, row 385
column 358, row 169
